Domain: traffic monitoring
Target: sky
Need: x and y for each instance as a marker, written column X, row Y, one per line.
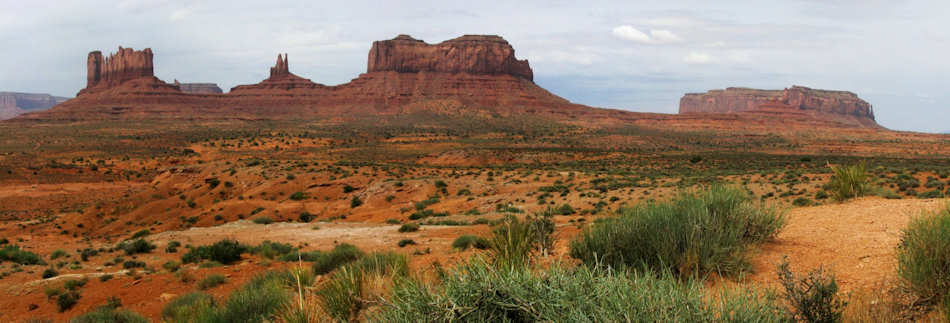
column 632, row 55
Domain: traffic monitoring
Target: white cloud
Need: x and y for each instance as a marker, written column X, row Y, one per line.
column 698, row 58
column 179, row 14
column 656, row 36
column 558, row 56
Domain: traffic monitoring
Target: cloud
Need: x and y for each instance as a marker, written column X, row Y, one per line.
column 656, row 36
column 179, row 15
column 698, row 58
column 568, row 57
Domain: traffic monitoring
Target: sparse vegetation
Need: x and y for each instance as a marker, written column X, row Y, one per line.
column 849, row 182
column 923, row 257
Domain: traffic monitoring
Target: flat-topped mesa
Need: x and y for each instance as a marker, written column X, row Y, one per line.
column 471, row 54
column 735, row 99
column 198, row 88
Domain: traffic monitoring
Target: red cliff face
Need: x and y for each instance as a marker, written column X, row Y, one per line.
column 471, row 54
column 796, row 98
column 280, row 79
column 125, row 65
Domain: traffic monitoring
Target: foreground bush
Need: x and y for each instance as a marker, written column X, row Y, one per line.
column 257, row 301
column 923, row 258
column 109, row 315
column 469, row 241
column 848, row 182
column 813, row 297
column 514, row 242
column 694, row 234
column 481, row 292
column 340, row 255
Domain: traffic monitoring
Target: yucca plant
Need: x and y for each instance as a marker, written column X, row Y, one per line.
column 848, row 182
column 923, row 258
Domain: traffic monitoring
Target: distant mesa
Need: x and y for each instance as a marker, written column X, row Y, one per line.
column 280, row 79
column 199, row 88
column 471, row 54
column 793, row 99
column 13, row 104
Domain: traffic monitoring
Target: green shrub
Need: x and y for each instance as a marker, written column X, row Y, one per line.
column 67, row 300
column 191, row 307
column 479, row 292
column 263, row 220
column 802, row 201
column 107, row 314
column 848, row 182
column 172, row 247
column 140, row 234
column 923, row 257
column 14, row 254
column 514, row 241
column 271, row 250
column 75, row 284
column 409, row 227
column 257, row 301
column 212, row 281
column 305, row 217
column 565, row 209
column 297, row 196
column 136, row 246
column 301, row 256
column 355, row 202
column 935, row 194
column 223, row 251
column 58, row 253
column 342, row 295
column 129, row 264
column 50, row 273
column 347, row 188
column 406, row 242
column 340, row 255
column 814, row 297
column 695, row 233
column 469, row 241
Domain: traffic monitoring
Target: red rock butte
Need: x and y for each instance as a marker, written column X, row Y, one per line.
column 796, row 99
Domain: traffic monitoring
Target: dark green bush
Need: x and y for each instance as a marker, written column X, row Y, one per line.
column 305, row 217
column 224, row 251
column 814, row 297
column 409, row 227
column 923, row 257
column 469, row 241
column 355, row 202
column 212, row 281
column 693, row 234
column 340, row 255
column 849, row 182
column 802, row 201
column 191, row 307
column 263, row 220
column 406, row 242
column 50, row 273
column 271, row 250
column 14, row 254
column 136, row 246
column 297, row 196
column 67, row 300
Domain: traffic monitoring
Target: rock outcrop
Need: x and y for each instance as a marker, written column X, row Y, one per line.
column 470, row 54
column 796, row 98
column 13, row 104
column 280, row 79
column 125, row 65
column 199, row 88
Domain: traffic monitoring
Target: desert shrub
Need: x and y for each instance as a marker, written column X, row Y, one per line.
column 297, row 196
column 129, row 264
column 223, row 251
column 211, row 281
column 340, row 255
column 67, row 300
column 75, row 284
column 58, row 253
column 480, row 292
column 347, row 188
column 140, row 234
column 257, row 301
column 301, row 256
column 514, row 241
column 191, row 307
column 802, row 201
column 355, row 202
column 469, row 241
column 172, row 247
column 171, row 266
column 406, row 242
column 694, row 233
column 107, row 314
column 271, row 250
column 383, row 263
column 565, row 209
column 263, row 220
column 342, row 295
column 923, row 257
column 814, row 297
column 136, row 246
column 14, row 254
column 409, row 227
column 85, row 254
column 49, row 273
column 935, row 194
column 848, row 182
column 305, row 217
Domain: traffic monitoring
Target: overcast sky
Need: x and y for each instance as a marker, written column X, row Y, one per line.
column 634, row 55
